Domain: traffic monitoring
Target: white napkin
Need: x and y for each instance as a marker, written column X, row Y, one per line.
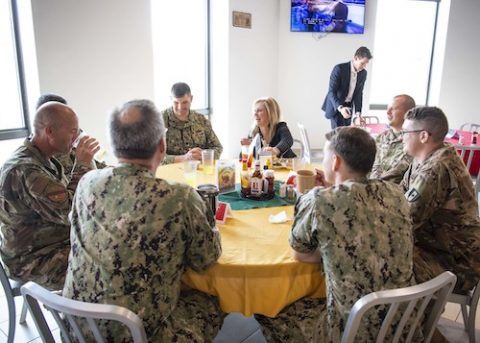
column 278, row 218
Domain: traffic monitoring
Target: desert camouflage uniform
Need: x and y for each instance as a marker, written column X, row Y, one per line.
column 364, row 234
column 132, row 238
column 35, row 198
column 391, row 162
column 68, row 162
column 445, row 221
column 183, row 136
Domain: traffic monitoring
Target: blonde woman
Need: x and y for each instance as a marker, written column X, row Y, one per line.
column 274, row 133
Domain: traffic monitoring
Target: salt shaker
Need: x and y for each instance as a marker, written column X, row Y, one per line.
column 283, row 191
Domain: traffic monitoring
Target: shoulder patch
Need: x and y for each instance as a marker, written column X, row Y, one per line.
column 412, row 195
column 56, row 193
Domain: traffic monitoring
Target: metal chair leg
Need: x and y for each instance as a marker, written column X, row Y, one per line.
column 11, row 318
column 23, row 314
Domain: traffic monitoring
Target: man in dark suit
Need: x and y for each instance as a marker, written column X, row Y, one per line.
column 345, row 91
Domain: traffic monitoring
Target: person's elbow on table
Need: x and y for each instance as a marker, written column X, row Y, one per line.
column 314, row 257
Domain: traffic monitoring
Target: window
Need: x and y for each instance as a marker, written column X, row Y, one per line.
column 405, row 35
column 13, row 112
column 181, row 49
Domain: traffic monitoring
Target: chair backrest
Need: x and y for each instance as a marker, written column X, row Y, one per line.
column 307, row 151
column 70, row 310
column 413, row 299
column 467, row 149
column 477, row 191
column 357, row 121
column 302, row 149
column 470, row 127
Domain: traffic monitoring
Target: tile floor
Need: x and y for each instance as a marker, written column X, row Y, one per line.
column 236, row 327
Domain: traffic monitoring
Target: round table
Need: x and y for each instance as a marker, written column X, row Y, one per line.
column 256, row 272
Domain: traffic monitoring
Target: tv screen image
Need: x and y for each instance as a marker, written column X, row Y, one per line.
column 344, row 16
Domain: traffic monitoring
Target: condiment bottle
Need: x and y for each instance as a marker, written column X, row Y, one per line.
column 256, row 181
column 282, row 193
column 269, row 177
column 245, row 179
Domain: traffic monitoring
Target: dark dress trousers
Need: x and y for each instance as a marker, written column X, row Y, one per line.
column 338, row 91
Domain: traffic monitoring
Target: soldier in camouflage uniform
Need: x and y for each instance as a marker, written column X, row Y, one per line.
column 391, row 162
column 359, row 229
column 442, row 202
column 36, row 196
column 133, row 236
column 66, row 160
column 188, row 131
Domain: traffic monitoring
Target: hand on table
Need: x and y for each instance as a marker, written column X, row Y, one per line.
column 193, row 154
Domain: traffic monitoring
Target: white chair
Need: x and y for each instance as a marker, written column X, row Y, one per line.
column 302, row 149
column 309, row 155
column 67, row 309
column 470, row 127
column 477, row 191
column 468, row 302
column 357, row 121
column 12, row 290
column 416, row 297
column 464, row 149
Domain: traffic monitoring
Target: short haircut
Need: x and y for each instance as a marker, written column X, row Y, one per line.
column 407, row 103
column 180, row 89
column 363, row 52
column 431, row 119
column 355, row 146
column 136, row 128
column 49, row 97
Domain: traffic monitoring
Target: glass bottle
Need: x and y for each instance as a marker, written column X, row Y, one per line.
column 245, row 179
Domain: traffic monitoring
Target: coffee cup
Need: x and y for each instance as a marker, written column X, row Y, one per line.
column 305, row 180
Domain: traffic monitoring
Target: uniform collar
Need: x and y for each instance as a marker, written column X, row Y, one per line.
column 35, row 151
column 173, row 121
column 133, row 169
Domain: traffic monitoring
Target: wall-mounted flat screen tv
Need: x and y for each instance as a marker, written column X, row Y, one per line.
column 345, row 16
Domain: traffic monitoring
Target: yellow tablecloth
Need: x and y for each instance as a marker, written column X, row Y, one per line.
column 256, row 272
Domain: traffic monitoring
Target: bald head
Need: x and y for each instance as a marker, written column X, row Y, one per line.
column 52, row 114
column 397, row 108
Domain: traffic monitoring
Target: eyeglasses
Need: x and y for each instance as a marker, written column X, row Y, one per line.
column 403, row 132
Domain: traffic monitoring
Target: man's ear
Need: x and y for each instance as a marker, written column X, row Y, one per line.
column 162, row 145
column 424, row 137
column 336, row 163
column 49, row 131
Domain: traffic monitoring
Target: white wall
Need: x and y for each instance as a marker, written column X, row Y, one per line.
column 97, row 54
column 305, row 64
column 460, row 85
column 252, row 68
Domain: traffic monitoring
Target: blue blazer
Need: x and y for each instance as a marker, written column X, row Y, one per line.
column 338, row 90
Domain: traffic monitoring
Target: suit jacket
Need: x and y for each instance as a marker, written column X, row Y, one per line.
column 338, row 90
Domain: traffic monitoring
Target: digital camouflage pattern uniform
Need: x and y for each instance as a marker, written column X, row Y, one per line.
column 363, row 231
column 391, row 162
column 132, row 238
column 35, row 198
column 445, row 220
column 183, row 136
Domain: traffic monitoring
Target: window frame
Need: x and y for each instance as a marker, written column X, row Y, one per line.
column 26, row 130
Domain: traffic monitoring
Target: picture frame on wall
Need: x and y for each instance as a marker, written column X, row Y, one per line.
column 242, row 19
